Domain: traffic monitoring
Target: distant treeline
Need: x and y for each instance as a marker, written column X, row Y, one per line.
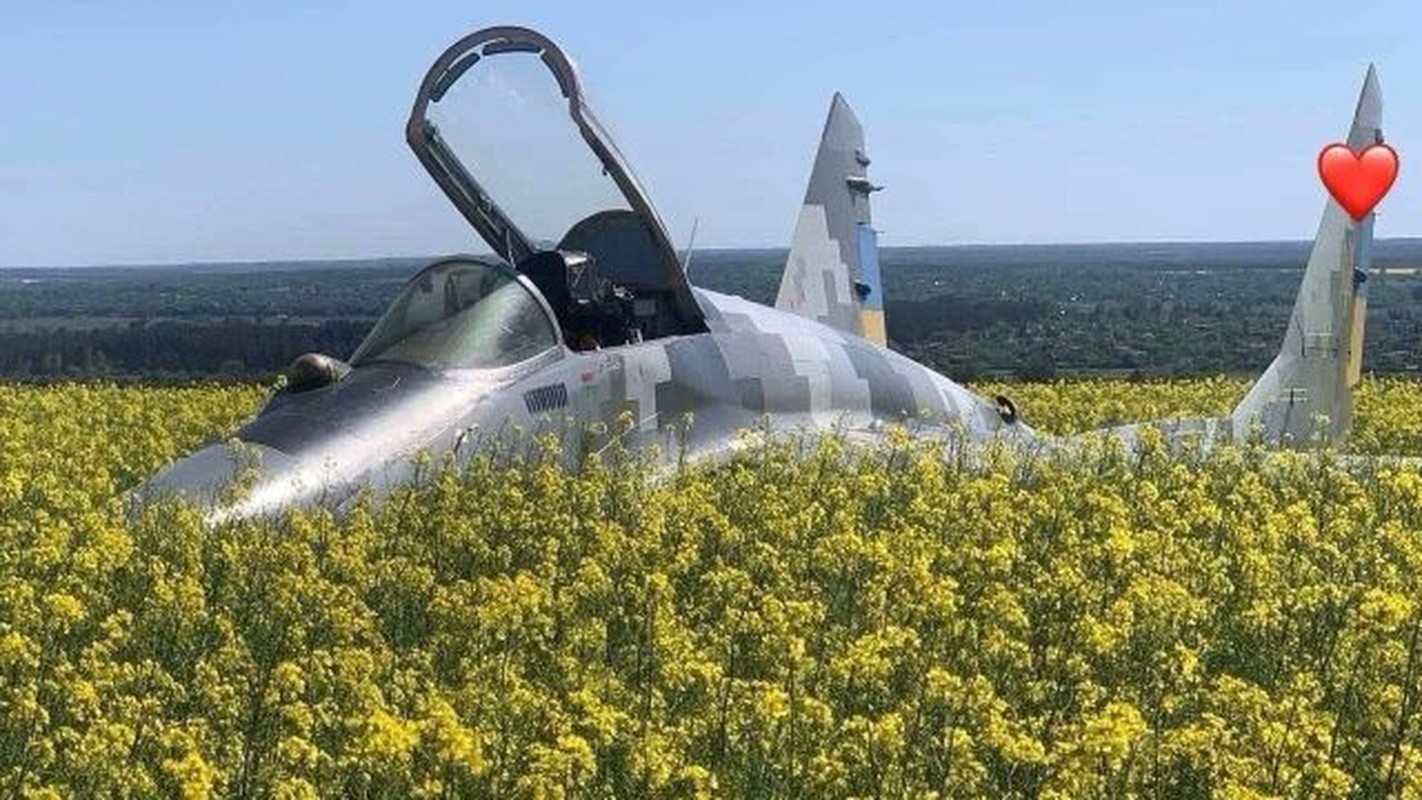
column 1032, row 312
column 238, row 349
column 246, row 349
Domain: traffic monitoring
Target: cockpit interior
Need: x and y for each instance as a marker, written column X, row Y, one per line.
column 501, row 124
column 603, row 282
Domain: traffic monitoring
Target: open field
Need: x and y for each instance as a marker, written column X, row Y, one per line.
column 876, row 623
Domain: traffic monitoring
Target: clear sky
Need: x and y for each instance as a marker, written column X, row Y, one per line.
column 167, row 131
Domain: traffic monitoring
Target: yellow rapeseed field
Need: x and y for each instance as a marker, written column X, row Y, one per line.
column 878, row 622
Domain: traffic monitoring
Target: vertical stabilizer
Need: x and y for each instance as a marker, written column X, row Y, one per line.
column 832, row 274
column 1305, row 396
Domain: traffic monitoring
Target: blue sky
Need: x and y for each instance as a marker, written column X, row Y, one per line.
column 164, row 131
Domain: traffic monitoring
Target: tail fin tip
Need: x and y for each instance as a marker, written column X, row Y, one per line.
column 832, row 272
column 1312, row 377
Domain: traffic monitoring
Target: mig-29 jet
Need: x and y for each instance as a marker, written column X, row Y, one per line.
column 585, row 315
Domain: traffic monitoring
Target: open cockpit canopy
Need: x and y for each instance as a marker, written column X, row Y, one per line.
column 502, row 126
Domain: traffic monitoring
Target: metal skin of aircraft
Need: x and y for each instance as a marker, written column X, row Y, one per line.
column 585, row 318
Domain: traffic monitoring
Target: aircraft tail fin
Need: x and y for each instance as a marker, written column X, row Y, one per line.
column 1304, row 398
column 832, row 273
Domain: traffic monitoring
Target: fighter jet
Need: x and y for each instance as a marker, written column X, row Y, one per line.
column 584, row 321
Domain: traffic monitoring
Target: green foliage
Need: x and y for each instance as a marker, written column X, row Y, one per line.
column 838, row 622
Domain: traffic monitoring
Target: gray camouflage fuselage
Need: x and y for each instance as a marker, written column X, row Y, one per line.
column 585, row 325
column 689, row 394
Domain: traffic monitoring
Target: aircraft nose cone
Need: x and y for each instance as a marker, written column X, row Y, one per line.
column 233, row 481
column 199, row 478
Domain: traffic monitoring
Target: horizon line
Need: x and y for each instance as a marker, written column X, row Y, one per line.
column 722, row 249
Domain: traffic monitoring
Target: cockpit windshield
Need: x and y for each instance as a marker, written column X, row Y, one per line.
column 501, row 124
column 460, row 315
column 507, row 121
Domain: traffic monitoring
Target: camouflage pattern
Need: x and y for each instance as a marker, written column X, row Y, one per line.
column 816, row 362
column 832, row 272
column 1304, row 398
column 688, row 395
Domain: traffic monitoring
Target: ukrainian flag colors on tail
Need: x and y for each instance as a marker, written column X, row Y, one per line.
column 832, row 274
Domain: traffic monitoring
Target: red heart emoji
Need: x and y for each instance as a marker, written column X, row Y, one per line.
column 1358, row 180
